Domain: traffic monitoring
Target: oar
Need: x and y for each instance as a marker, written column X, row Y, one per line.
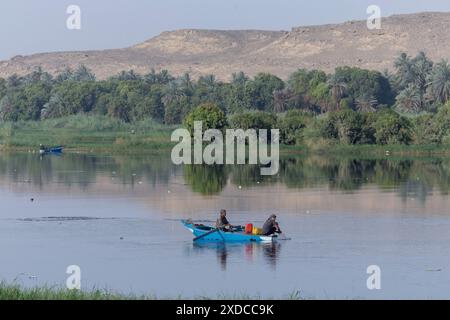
column 282, row 236
column 207, row 234
column 237, row 228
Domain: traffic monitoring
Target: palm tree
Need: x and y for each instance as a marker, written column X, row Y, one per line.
column 338, row 89
column 410, row 100
column 366, row 103
column 66, row 74
column 163, row 77
column 207, row 88
column 151, row 77
column 35, row 76
column 239, row 78
column 6, row 108
column 422, row 68
column 404, row 69
column 440, row 82
column 172, row 92
column 281, row 99
column 186, row 84
column 208, row 81
column 130, row 75
column 53, row 108
column 14, row 81
column 83, row 73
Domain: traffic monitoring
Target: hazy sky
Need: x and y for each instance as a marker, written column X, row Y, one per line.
column 31, row 26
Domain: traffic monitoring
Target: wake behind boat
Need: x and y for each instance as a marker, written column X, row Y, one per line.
column 207, row 233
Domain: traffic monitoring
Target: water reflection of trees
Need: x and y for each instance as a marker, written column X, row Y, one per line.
column 83, row 170
column 411, row 177
column 206, row 179
column 414, row 178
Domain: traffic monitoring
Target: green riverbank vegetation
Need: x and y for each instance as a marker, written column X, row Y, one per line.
column 17, row 292
column 350, row 107
column 87, row 133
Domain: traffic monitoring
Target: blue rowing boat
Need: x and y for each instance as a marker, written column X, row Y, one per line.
column 206, row 233
column 51, row 150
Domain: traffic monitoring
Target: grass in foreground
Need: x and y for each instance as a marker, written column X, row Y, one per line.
column 17, row 292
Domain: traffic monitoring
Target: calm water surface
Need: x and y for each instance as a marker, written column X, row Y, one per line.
column 118, row 219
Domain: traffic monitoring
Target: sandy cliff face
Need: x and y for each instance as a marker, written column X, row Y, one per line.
column 279, row 52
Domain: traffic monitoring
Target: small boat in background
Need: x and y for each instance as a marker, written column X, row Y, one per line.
column 206, row 233
column 58, row 150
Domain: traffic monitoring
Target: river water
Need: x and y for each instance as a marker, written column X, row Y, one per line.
column 118, row 219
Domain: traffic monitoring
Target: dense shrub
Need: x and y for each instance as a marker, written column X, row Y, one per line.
column 348, row 127
column 425, row 130
column 391, row 128
column 253, row 120
column 211, row 115
column 365, row 83
column 291, row 126
column 433, row 128
column 351, row 127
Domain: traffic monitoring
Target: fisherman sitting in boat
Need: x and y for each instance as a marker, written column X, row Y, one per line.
column 222, row 222
column 271, row 226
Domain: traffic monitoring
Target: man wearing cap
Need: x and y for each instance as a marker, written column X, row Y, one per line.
column 271, row 226
column 222, row 223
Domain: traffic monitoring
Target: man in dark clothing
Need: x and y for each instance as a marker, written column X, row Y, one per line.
column 222, row 223
column 271, row 226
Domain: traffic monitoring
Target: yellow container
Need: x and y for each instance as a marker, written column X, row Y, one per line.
column 257, row 231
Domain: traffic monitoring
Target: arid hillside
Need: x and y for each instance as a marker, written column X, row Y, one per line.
column 279, row 52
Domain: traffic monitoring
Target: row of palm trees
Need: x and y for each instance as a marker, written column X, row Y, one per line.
column 421, row 84
column 418, row 83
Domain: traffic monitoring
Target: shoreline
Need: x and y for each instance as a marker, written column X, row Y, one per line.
column 80, row 134
column 339, row 150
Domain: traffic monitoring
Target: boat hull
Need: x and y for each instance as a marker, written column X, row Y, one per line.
column 221, row 236
column 52, row 150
